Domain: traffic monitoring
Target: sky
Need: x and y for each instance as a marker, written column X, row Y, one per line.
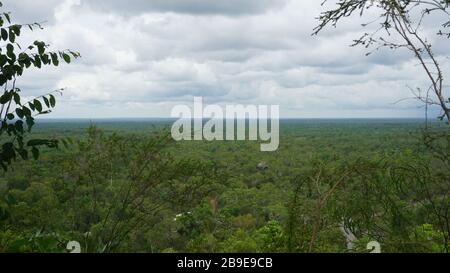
column 140, row 58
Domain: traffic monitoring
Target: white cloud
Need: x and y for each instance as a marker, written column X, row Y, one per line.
column 141, row 57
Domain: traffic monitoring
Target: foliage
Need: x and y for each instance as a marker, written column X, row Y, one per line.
column 388, row 199
column 401, row 22
column 211, row 197
column 17, row 116
column 107, row 188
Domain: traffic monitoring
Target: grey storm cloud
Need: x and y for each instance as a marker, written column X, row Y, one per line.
column 142, row 57
column 29, row 11
column 222, row 7
column 43, row 10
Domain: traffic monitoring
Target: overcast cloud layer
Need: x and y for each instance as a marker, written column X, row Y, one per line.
column 142, row 57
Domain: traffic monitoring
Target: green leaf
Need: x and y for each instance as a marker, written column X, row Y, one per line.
column 17, row 98
column 26, row 111
column 19, row 126
column 23, row 57
column 30, row 122
column 55, row 60
column 8, row 18
column 45, row 59
column 3, row 60
column 9, row 48
column 47, row 102
column 4, row 34
column 38, row 105
column 40, row 46
column 20, row 113
column 3, row 79
column 16, row 29
column 12, row 36
column 66, row 58
column 52, row 101
column 5, row 98
column 37, row 61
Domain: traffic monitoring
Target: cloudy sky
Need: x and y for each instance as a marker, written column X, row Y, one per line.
column 142, row 57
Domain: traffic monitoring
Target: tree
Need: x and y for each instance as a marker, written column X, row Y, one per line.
column 399, row 27
column 18, row 117
column 120, row 187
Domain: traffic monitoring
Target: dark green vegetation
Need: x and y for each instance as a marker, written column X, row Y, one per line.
column 17, row 116
column 126, row 187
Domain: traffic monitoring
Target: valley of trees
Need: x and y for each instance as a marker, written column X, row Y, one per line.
column 130, row 188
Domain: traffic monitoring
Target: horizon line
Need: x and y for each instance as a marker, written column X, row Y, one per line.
column 281, row 118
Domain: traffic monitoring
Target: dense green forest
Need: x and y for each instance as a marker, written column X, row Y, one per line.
column 333, row 186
